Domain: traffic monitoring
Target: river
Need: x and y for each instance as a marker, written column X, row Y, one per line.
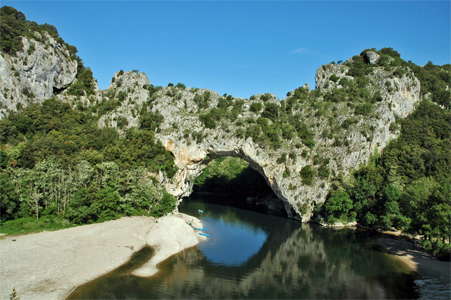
column 256, row 256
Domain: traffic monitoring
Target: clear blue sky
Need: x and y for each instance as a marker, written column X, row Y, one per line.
column 241, row 47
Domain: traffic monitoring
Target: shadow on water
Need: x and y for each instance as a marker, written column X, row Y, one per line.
column 100, row 288
column 294, row 261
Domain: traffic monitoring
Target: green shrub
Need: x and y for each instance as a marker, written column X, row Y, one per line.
column 122, row 122
column 265, row 97
column 338, row 207
column 256, row 107
column 84, row 83
column 150, row 120
column 323, row 171
column 390, row 52
column 308, row 175
column 334, row 78
column 180, row 86
column 3, row 160
column 208, row 120
column 364, row 109
column 349, row 122
column 286, row 173
column 358, row 67
column 282, row 159
column 203, row 100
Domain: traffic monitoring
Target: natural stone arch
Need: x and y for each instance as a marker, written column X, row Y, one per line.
column 196, row 167
column 284, row 178
column 192, row 159
column 191, row 140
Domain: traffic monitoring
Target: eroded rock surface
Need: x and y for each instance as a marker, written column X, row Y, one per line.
column 36, row 73
column 371, row 57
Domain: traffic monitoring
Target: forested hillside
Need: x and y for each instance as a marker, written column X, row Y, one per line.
column 408, row 185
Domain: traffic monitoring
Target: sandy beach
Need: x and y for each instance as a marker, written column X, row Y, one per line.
column 417, row 260
column 49, row 265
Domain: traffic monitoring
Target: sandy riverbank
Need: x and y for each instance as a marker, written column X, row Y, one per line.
column 417, row 260
column 49, row 265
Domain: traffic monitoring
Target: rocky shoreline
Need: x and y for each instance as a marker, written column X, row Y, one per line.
column 50, row 265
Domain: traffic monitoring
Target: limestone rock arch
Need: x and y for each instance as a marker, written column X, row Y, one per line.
column 193, row 141
column 192, row 161
column 300, row 199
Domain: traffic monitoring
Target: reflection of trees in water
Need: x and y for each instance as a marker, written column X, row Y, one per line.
column 301, row 266
column 295, row 262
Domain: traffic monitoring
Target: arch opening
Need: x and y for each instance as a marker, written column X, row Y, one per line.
column 233, row 181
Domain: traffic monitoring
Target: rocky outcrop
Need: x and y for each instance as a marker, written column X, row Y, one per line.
column 40, row 70
column 328, row 76
column 371, row 57
column 130, row 88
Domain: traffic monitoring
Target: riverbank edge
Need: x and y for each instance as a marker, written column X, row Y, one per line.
column 414, row 257
column 51, row 265
column 403, row 247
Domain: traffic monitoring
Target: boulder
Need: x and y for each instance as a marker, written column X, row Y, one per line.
column 371, row 57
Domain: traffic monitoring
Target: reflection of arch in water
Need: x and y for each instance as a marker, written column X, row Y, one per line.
column 114, row 284
column 277, row 230
column 308, row 263
column 295, row 262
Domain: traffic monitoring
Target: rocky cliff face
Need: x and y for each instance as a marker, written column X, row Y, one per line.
column 40, row 70
column 194, row 143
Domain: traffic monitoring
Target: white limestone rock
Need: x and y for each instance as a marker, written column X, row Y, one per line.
column 328, row 76
column 35, row 73
column 371, row 57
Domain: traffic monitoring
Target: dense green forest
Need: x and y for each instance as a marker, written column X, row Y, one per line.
column 56, row 163
column 231, row 176
column 58, row 169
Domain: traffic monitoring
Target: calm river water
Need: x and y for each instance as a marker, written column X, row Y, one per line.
column 256, row 256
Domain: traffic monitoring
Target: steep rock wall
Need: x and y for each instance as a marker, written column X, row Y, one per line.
column 36, row 73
